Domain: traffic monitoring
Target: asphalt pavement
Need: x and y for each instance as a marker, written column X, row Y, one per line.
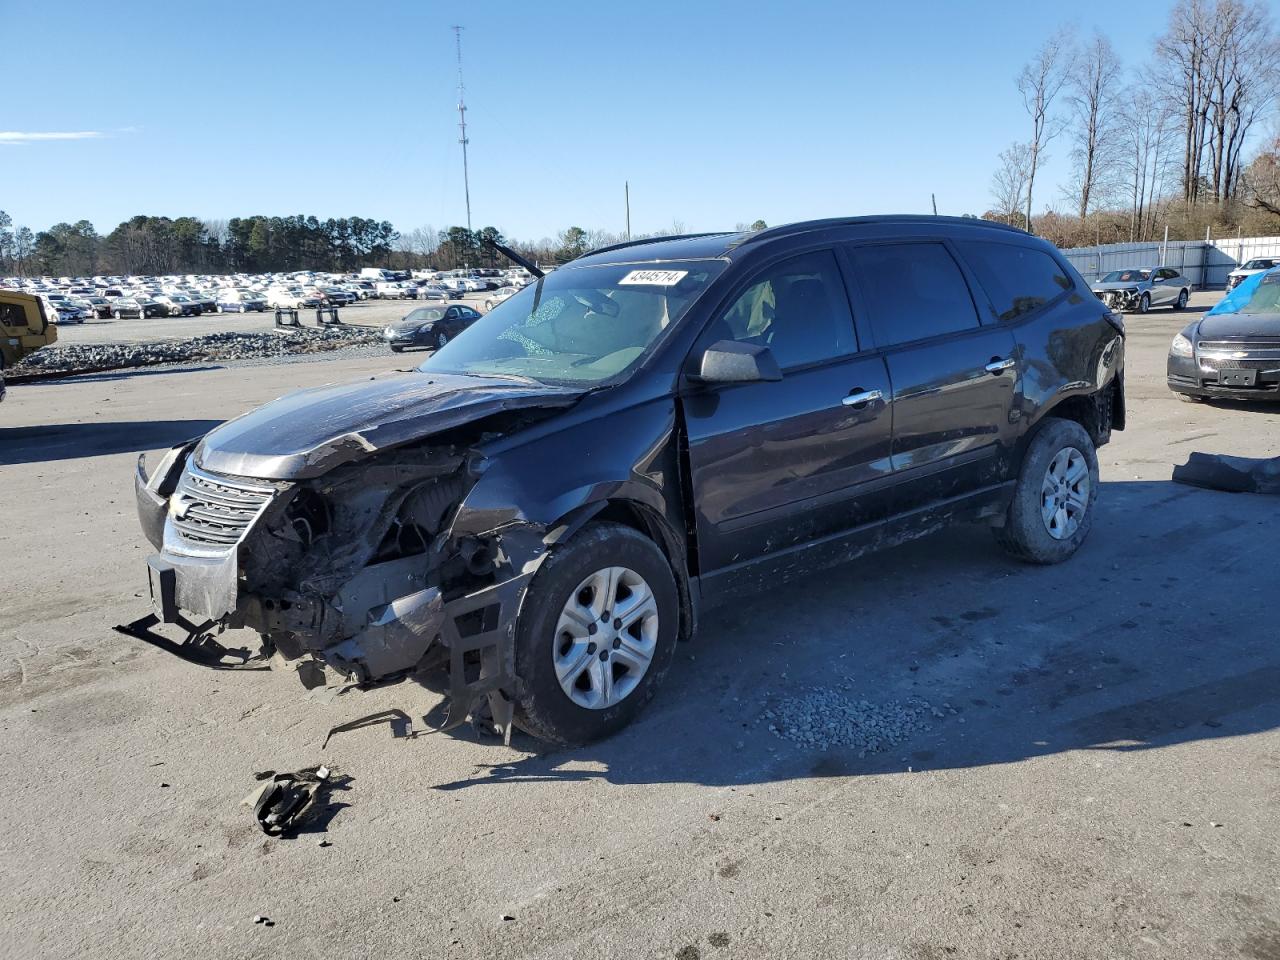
column 1097, row 776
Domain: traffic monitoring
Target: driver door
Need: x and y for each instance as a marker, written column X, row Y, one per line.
column 779, row 464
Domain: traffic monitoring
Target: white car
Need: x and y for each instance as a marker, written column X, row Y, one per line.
column 498, row 296
column 1249, row 268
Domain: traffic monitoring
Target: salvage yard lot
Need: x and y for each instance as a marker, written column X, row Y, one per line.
column 1097, row 780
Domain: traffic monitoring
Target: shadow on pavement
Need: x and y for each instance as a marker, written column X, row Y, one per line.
column 1155, row 634
column 71, row 441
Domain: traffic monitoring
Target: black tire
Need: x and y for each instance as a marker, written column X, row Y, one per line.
column 116, row 314
column 1144, row 303
column 545, row 710
column 1183, row 297
column 1025, row 534
column 441, row 340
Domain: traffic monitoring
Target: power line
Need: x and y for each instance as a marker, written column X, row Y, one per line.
column 462, row 125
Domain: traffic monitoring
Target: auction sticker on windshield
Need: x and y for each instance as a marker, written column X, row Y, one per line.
column 654, row 278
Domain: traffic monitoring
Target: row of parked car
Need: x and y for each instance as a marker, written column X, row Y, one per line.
column 76, row 299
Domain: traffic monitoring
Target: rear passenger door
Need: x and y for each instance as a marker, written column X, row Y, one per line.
column 954, row 379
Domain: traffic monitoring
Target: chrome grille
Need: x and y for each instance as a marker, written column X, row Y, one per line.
column 1239, row 354
column 212, row 510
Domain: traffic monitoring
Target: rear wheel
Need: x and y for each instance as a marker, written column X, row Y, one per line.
column 1182, row 300
column 1052, row 508
column 596, row 635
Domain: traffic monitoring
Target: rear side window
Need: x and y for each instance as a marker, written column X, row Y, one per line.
column 1017, row 279
column 913, row 291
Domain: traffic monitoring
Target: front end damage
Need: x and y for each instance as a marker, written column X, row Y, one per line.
column 372, row 571
column 1124, row 299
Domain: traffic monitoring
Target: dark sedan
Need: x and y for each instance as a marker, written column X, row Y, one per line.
column 1231, row 355
column 429, row 327
column 137, row 308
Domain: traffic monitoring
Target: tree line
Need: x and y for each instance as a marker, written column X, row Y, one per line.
column 1159, row 143
column 145, row 245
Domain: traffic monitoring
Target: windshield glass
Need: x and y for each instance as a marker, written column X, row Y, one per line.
column 1125, row 276
column 579, row 324
column 1266, row 298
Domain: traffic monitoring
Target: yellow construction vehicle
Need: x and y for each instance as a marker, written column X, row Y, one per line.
column 23, row 329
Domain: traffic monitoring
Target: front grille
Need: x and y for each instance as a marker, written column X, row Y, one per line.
column 1239, row 354
column 212, row 510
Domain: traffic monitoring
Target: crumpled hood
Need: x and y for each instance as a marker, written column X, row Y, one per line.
column 1246, row 326
column 309, row 432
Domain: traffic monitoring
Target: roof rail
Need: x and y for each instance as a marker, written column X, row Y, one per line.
column 802, row 226
column 644, row 240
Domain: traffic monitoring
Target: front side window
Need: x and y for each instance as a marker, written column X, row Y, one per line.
column 580, row 324
column 797, row 308
column 1017, row 279
column 913, row 291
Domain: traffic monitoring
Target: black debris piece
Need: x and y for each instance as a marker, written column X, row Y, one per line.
column 285, row 799
column 1216, row 471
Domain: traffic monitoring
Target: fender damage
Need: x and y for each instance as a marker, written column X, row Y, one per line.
column 362, row 561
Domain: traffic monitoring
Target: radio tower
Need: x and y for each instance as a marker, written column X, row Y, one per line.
column 462, row 125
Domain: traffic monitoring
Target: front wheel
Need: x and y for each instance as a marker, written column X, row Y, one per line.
column 1144, row 303
column 1052, row 508
column 1182, row 300
column 596, row 635
column 441, row 340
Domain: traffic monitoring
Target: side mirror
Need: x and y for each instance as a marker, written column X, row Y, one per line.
column 731, row 361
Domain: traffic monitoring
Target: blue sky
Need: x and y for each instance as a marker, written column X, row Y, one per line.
column 717, row 113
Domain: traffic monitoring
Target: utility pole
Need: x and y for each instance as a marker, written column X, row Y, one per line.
column 626, row 187
column 462, row 125
column 934, row 198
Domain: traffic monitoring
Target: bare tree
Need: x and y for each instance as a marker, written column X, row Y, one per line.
column 1261, row 180
column 1093, row 86
column 1242, row 84
column 1223, row 58
column 1010, row 181
column 1147, row 137
column 1040, row 82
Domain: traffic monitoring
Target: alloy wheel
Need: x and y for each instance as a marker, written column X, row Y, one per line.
column 1064, row 494
column 606, row 638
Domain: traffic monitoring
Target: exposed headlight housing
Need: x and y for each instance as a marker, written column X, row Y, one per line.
column 1181, row 346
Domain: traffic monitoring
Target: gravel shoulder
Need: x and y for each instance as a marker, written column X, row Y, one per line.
column 1093, row 775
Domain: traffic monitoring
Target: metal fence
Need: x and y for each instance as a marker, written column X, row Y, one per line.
column 1205, row 263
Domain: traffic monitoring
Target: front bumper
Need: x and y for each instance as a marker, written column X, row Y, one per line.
column 1204, row 377
column 386, row 621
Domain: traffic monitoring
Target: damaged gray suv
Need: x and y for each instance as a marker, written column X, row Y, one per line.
column 542, row 509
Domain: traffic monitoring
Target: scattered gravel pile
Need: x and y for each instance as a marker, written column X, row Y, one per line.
column 829, row 718
column 213, row 346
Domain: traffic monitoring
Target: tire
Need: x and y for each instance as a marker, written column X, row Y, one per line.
column 1144, row 303
column 1183, row 297
column 546, row 710
column 116, row 314
column 1026, row 535
column 396, row 348
column 441, row 340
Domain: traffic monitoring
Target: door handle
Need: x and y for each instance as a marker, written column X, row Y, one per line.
column 998, row 366
column 860, row 398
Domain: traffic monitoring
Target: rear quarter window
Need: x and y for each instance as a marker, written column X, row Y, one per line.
column 1018, row 279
